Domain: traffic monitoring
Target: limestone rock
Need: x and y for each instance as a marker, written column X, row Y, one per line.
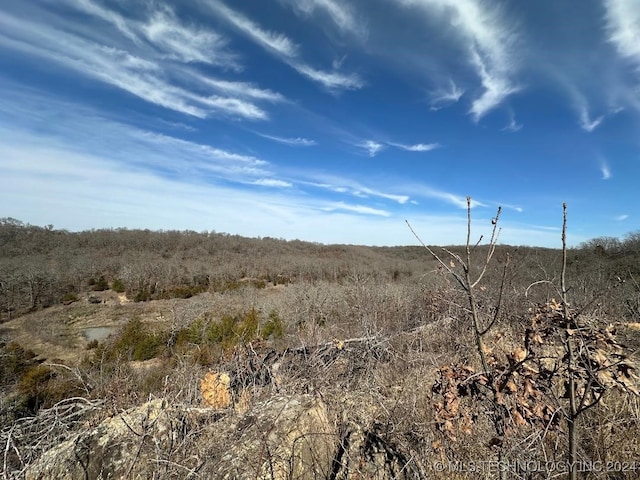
column 282, row 438
column 130, row 445
column 285, row 437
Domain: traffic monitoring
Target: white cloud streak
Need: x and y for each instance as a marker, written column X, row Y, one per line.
column 294, row 142
column 456, row 200
column 372, row 147
column 272, row 182
column 605, row 170
column 621, row 218
column 429, row 192
column 340, row 13
column 241, row 89
column 163, row 29
column 401, row 199
column 349, row 187
column 512, row 126
column 330, row 80
column 585, row 121
column 360, row 209
column 63, row 125
column 445, row 96
column 488, row 41
column 623, row 24
column 418, row 147
column 623, row 28
column 137, row 69
column 284, row 48
column 275, row 42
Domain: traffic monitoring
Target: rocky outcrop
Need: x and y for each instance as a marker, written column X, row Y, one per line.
column 134, row 444
column 285, row 437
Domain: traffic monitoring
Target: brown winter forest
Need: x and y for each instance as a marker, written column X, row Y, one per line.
column 178, row 354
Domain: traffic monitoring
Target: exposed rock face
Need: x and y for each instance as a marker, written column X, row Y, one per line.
column 285, row 437
column 131, row 445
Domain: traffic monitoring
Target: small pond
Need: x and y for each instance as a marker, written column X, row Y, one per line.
column 98, row 333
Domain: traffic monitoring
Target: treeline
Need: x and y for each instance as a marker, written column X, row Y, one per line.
column 43, row 266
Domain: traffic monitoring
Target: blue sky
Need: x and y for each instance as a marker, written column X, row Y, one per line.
column 323, row 120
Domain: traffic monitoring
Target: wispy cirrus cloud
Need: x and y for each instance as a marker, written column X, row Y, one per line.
column 368, row 192
column 513, row 207
column 275, row 42
column 352, row 188
column 160, row 27
column 489, row 41
column 605, row 170
column 240, row 89
column 330, row 80
column 623, row 31
column 621, row 218
column 295, row 142
column 132, row 65
column 580, row 102
column 512, row 126
column 119, row 68
column 445, row 96
column 284, row 48
column 623, row 25
column 430, row 192
column 361, row 209
column 586, row 122
column 65, row 125
column 456, row 200
column 371, row 147
column 340, row 13
column 417, row 147
column 232, row 106
column 272, row 182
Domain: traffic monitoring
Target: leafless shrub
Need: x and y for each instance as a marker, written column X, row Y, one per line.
column 27, row 438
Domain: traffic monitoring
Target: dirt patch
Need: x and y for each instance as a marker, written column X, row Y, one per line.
column 64, row 331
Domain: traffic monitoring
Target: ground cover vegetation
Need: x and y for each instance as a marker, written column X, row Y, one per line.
column 518, row 356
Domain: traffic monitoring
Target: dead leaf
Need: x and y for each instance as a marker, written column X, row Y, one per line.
column 529, row 388
column 448, row 426
column 538, row 411
column 600, row 357
column 215, row 391
column 536, row 338
column 519, row 354
column 518, row 419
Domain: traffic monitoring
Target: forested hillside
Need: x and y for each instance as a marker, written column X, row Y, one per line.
column 383, row 336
